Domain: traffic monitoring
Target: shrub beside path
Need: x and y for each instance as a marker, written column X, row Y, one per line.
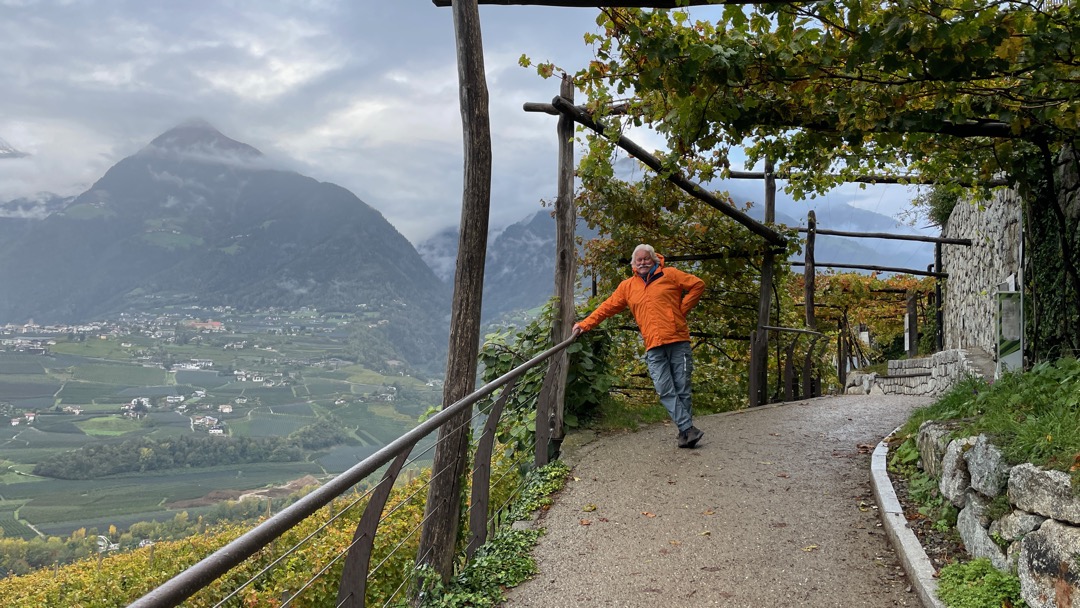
column 773, row 509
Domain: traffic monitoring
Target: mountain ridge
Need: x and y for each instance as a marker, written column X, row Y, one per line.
column 197, row 217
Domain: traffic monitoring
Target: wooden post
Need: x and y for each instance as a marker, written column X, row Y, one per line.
column 841, row 354
column 789, row 373
column 939, row 311
column 442, row 513
column 912, row 326
column 755, row 378
column 760, row 355
column 565, row 275
column 808, row 270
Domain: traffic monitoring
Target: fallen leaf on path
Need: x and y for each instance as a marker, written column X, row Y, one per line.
column 708, row 512
column 764, row 462
column 705, row 533
column 675, row 543
column 602, row 519
column 647, row 514
column 809, row 548
column 589, row 508
column 586, row 522
column 784, row 475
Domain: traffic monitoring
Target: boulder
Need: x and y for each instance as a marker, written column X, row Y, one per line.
column 955, row 479
column 1048, row 568
column 860, row 383
column 1015, row 525
column 987, row 468
column 1047, row 493
column 932, row 439
column 971, row 524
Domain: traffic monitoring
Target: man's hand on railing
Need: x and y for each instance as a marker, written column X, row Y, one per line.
column 576, row 331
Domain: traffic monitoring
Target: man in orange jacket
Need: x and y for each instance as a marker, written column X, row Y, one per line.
column 659, row 297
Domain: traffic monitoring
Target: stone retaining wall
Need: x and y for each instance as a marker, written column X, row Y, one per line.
column 975, row 272
column 928, row 376
column 1024, row 519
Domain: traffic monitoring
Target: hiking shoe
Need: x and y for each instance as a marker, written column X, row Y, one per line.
column 693, row 435
column 681, row 439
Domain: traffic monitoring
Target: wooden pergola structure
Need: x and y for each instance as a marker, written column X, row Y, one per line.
column 443, row 508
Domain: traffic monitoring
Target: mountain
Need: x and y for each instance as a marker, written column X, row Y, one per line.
column 197, row 217
column 841, row 216
column 519, row 271
column 8, row 151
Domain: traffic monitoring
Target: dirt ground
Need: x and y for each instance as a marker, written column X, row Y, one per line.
column 774, row 508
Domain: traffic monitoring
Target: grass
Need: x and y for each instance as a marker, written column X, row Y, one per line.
column 1032, row 417
column 110, row 426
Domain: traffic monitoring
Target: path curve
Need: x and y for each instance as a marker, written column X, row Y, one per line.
column 774, row 508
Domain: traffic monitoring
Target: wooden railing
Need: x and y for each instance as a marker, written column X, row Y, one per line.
column 356, row 570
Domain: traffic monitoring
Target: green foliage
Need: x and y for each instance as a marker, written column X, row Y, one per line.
column 539, row 486
column 938, row 202
column 146, row 454
column 505, row 560
column 923, row 489
column 120, row 578
column 1032, row 417
column 977, row 584
column 588, row 374
column 325, row 433
column 958, row 90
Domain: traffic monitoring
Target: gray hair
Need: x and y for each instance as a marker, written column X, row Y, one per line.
column 648, row 249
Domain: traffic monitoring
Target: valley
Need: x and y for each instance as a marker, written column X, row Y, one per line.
column 158, row 378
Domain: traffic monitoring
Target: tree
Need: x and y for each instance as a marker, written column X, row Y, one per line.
column 961, row 90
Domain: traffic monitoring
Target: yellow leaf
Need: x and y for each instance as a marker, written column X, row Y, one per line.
column 809, row 548
column 589, row 508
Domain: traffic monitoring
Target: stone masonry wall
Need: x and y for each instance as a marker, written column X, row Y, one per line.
column 976, row 271
column 1024, row 519
column 929, row 376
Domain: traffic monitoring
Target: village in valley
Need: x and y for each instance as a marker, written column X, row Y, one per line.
column 187, row 373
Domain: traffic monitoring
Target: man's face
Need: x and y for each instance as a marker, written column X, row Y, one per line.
column 642, row 263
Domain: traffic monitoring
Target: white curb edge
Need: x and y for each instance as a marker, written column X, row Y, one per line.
column 912, row 555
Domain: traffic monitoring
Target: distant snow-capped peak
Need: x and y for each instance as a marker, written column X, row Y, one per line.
column 9, row 151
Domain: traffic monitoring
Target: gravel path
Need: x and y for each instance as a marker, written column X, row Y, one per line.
column 773, row 509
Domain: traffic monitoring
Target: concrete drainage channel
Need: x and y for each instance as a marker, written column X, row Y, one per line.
column 908, row 548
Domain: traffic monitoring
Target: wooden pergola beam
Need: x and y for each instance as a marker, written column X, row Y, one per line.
column 895, row 237
column 922, row 273
column 693, row 189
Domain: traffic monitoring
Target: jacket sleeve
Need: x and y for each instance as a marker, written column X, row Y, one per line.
column 693, row 287
column 612, row 306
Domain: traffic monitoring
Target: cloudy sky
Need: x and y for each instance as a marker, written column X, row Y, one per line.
column 362, row 93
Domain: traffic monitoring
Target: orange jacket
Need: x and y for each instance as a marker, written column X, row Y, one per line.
column 659, row 306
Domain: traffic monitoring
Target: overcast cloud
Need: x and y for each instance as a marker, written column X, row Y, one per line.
column 362, row 93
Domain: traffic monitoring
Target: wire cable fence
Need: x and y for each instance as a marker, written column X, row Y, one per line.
column 354, row 541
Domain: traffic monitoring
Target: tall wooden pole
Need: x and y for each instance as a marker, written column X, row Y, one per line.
column 442, row 513
column 759, row 349
column 565, row 273
column 808, row 270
